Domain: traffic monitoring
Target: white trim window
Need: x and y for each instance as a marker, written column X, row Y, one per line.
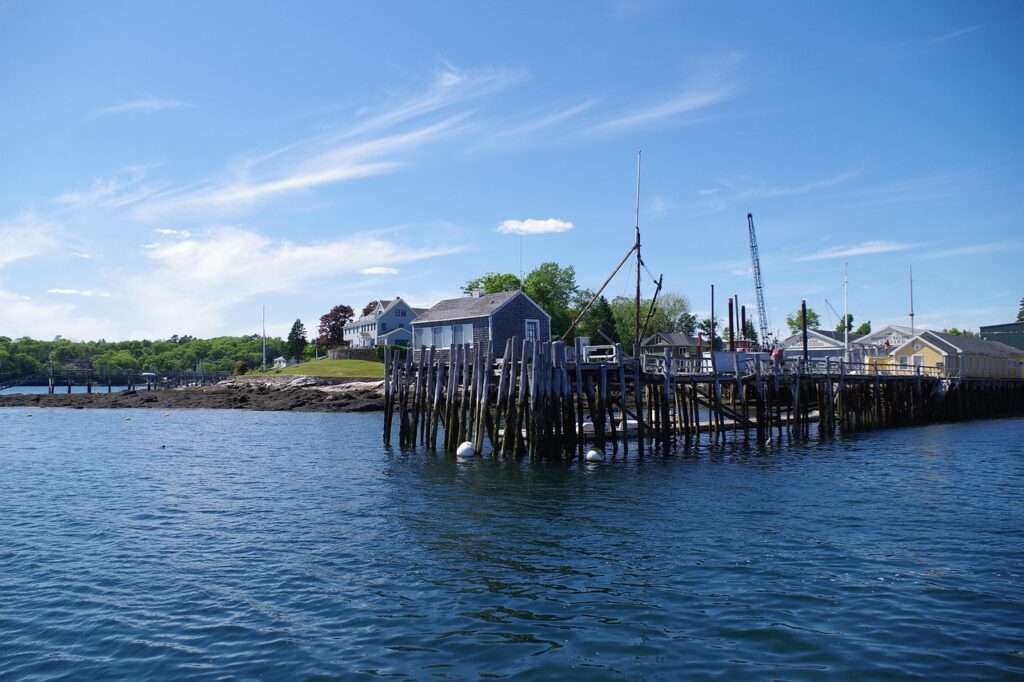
column 531, row 332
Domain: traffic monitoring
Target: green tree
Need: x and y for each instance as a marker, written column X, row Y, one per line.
column 599, row 322
column 1020, row 311
column 795, row 321
column 554, row 289
column 864, row 328
column 671, row 314
column 839, row 324
column 749, row 332
column 953, row 331
column 297, row 340
column 492, row 283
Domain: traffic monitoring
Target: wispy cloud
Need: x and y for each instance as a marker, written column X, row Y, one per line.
column 122, row 189
column 953, row 35
column 713, row 82
column 191, row 283
column 24, row 237
column 79, row 292
column 167, row 232
column 379, row 270
column 683, row 103
column 376, row 144
column 974, row 249
column 535, row 226
column 21, row 316
column 869, row 248
column 774, row 192
column 538, row 124
column 145, row 105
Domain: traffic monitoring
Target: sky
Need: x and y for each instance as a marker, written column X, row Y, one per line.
column 173, row 167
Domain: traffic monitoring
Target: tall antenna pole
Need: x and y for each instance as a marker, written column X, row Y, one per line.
column 846, row 313
column 912, row 332
column 520, row 262
column 636, row 322
column 264, row 338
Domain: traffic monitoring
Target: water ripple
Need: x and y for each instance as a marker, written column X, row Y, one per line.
column 220, row 544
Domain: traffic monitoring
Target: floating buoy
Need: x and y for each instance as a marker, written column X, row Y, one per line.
column 465, row 451
column 594, row 456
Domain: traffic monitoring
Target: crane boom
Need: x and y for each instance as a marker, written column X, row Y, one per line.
column 762, row 313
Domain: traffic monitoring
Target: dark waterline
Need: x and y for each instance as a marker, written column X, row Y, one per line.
column 218, row 543
column 59, row 388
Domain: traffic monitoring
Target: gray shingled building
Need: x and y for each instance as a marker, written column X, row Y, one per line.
column 479, row 318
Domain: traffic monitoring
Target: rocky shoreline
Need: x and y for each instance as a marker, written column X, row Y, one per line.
column 272, row 393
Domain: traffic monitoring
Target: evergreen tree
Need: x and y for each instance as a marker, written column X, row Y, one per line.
column 297, row 340
column 1020, row 311
column 599, row 323
column 864, row 328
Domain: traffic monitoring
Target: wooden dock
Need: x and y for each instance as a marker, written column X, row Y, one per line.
column 536, row 400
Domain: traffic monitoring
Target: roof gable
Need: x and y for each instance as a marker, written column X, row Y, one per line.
column 466, row 307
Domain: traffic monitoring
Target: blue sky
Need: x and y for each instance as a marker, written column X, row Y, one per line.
column 172, row 167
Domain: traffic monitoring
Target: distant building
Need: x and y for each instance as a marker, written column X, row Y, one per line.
column 387, row 323
column 932, row 352
column 1011, row 333
column 481, row 318
column 823, row 344
column 678, row 344
column 883, row 341
column 280, row 362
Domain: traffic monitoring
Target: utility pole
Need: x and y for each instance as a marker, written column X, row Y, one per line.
column 264, row 338
column 639, row 262
column 912, row 333
column 846, row 313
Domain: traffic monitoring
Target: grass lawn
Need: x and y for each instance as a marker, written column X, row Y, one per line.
column 361, row 369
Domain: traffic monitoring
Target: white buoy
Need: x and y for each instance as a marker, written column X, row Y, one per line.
column 465, row 451
column 595, row 456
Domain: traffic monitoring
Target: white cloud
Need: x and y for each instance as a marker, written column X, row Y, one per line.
column 974, row 249
column 863, row 249
column 535, row 226
column 79, row 292
column 81, row 254
column 124, row 188
column 191, row 283
column 166, row 232
column 20, row 316
column 379, row 270
column 24, row 237
column 953, row 35
column 540, row 123
column 146, row 105
column 683, row 103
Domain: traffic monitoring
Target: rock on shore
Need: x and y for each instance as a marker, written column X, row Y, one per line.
column 276, row 393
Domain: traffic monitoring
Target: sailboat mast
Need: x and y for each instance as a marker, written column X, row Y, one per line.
column 636, row 321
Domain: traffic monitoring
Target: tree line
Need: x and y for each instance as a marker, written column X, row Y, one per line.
column 223, row 354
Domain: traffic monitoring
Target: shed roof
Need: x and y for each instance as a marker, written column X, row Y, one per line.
column 672, row 339
column 466, row 307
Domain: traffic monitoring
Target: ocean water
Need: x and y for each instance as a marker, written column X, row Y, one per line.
column 216, row 544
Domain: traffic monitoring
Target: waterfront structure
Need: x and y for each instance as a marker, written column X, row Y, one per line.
column 823, row 344
column 1011, row 333
column 387, row 323
column 881, row 342
column 480, row 318
column 531, row 398
column 678, row 344
column 958, row 356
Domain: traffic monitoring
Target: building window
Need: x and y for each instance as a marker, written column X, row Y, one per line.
column 532, row 330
